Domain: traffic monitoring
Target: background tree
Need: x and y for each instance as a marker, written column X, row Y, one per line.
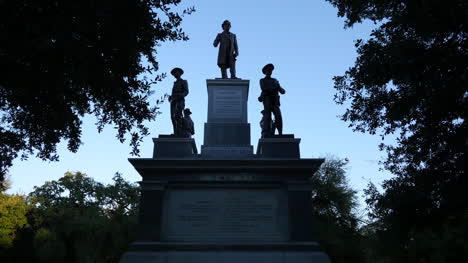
column 13, row 209
column 60, row 60
column 334, row 206
column 77, row 219
column 411, row 78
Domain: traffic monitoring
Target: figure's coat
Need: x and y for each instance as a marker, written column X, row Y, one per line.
column 227, row 48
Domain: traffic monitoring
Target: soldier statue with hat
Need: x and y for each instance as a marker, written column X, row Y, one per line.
column 177, row 100
column 271, row 102
column 188, row 128
column 228, row 50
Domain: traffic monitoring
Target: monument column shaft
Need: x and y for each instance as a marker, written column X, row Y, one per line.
column 227, row 131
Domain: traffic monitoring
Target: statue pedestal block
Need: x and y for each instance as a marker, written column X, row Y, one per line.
column 167, row 146
column 227, row 131
column 279, row 146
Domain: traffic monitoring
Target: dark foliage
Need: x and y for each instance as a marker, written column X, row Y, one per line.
column 73, row 219
column 61, row 60
column 411, row 79
column 334, row 207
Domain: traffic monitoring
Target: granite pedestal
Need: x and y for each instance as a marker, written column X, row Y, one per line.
column 227, row 131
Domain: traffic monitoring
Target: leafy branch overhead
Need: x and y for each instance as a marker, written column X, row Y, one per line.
column 62, row 60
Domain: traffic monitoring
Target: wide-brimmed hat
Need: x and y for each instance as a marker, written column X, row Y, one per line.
column 187, row 111
column 267, row 66
column 177, row 69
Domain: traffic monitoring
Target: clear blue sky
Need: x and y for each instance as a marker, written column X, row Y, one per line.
column 306, row 42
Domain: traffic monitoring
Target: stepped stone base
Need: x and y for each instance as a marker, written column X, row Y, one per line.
column 225, row 257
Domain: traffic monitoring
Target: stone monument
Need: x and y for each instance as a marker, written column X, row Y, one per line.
column 226, row 204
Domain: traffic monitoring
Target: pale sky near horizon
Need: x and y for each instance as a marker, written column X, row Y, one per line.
column 308, row 45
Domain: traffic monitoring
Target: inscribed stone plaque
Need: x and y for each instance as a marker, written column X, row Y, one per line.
column 227, row 103
column 225, row 215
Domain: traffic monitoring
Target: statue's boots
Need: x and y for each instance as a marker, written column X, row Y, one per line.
column 279, row 126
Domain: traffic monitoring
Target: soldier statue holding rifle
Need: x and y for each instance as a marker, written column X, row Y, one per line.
column 271, row 102
column 177, row 100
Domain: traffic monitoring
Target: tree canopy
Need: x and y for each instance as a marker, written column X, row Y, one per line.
column 334, row 205
column 62, row 60
column 13, row 209
column 411, row 79
column 73, row 219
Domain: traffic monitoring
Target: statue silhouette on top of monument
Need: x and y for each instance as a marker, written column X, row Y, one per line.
column 271, row 102
column 228, row 50
column 177, row 100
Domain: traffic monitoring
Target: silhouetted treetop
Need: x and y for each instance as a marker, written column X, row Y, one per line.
column 411, row 78
column 61, row 60
column 423, row 15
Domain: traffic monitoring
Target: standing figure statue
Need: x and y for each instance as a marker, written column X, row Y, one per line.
column 188, row 129
column 177, row 100
column 271, row 102
column 228, row 50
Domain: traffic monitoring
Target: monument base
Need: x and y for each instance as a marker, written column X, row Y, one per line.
column 247, row 253
column 168, row 146
column 279, row 146
column 231, row 210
